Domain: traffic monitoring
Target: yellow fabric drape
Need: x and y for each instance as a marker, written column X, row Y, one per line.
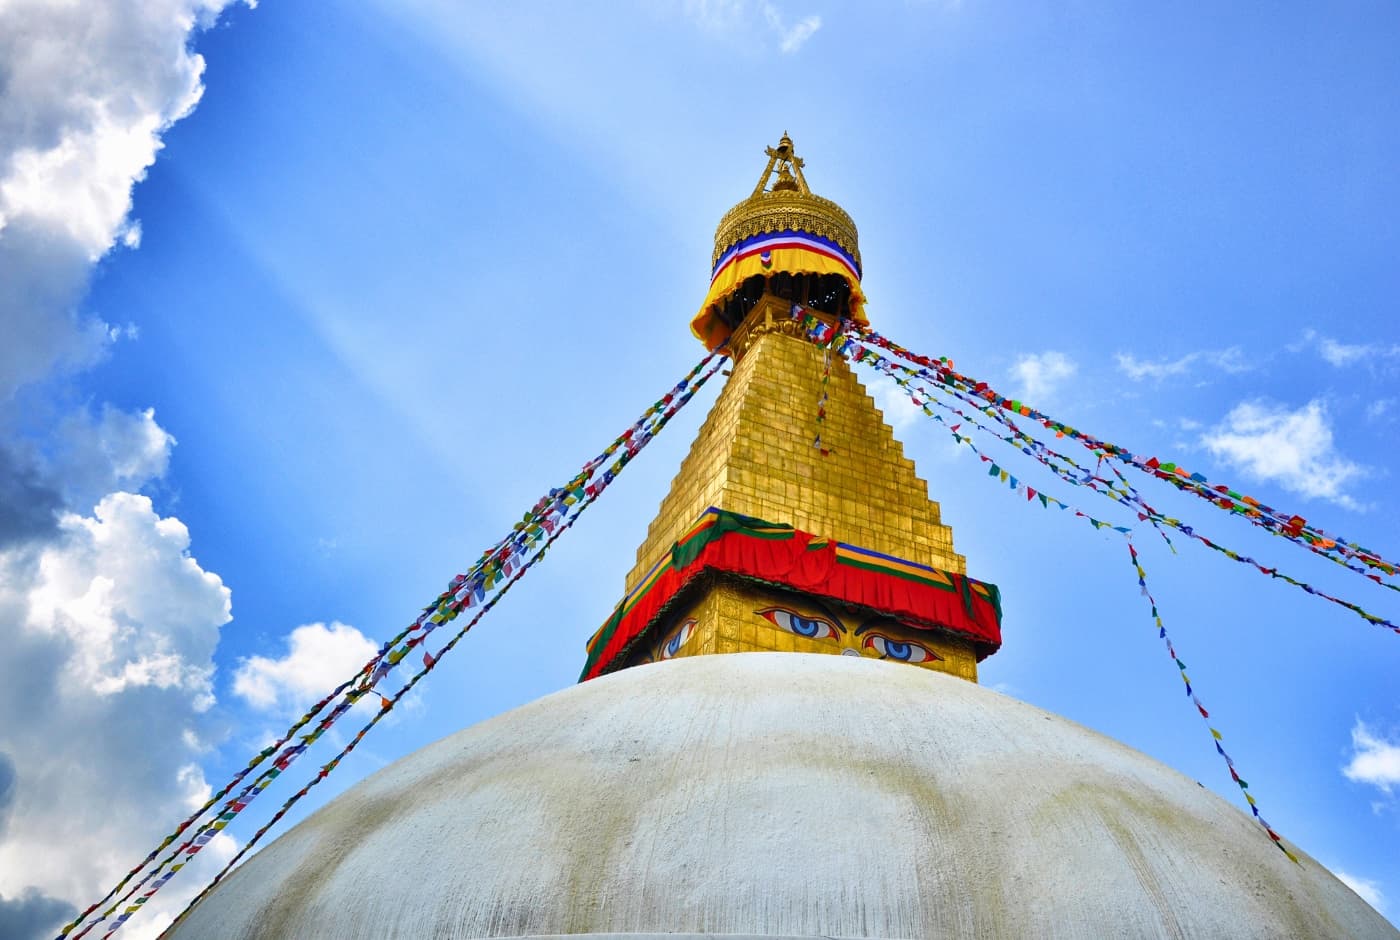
column 711, row 330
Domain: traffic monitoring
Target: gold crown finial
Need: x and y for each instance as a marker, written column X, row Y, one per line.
column 782, row 229
column 788, row 165
column 787, row 204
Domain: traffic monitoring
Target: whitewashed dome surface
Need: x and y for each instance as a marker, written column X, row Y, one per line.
column 778, row 794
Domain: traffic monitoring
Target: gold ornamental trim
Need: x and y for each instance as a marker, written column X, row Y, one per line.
column 782, row 210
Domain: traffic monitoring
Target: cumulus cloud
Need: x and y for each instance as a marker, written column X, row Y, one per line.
column 1231, row 360
column 109, row 622
column 111, row 627
column 32, row 915
column 1374, row 760
column 88, row 89
column 136, row 608
column 29, row 501
column 1040, row 375
column 1367, row 889
column 94, row 455
column 318, row 658
column 1292, row 448
column 7, row 788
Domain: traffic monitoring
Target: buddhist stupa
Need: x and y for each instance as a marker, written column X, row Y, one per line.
column 719, row 772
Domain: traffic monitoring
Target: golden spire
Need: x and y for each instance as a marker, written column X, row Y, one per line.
column 796, row 523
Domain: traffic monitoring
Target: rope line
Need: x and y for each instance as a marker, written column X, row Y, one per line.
column 902, row 374
column 1045, row 455
column 502, row 564
column 431, row 662
column 1218, row 739
column 1279, row 522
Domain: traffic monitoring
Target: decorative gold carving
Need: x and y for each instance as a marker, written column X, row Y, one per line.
column 752, row 329
column 770, row 315
column 789, row 166
column 790, row 204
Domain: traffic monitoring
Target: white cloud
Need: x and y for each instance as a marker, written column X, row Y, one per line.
column 716, row 16
column 115, row 450
column 130, row 234
column 1374, row 760
column 1344, row 354
column 88, row 89
column 110, row 629
column 1369, row 890
column 137, row 610
column 190, row 777
column 1039, row 375
column 739, row 17
column 1232, row 360
column 109, row 623
column 1139, row 369
column 318, row 659
column 791, row 38
column 1339, row 354
column 1292, row 448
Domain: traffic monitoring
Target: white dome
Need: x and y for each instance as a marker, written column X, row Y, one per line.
column 778, row 794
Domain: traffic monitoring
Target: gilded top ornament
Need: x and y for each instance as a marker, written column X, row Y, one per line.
column 788, row 204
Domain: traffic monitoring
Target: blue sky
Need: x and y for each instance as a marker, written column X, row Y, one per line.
column 404, row 266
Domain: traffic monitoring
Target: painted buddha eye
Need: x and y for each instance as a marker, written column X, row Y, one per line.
column 678, row 639
column 814, row 628
column 903, row 651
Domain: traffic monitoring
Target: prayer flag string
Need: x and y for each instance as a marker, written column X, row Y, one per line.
column 1216, row 736
column 1084, row 479
column 1276, row 521
column 906, row 385
column 206, row 832
column 431, row 662
column 858, row 352
column 1039, row 451
column 824, row 335
column 910, row 382
column 197, row 814
column 501, row 565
